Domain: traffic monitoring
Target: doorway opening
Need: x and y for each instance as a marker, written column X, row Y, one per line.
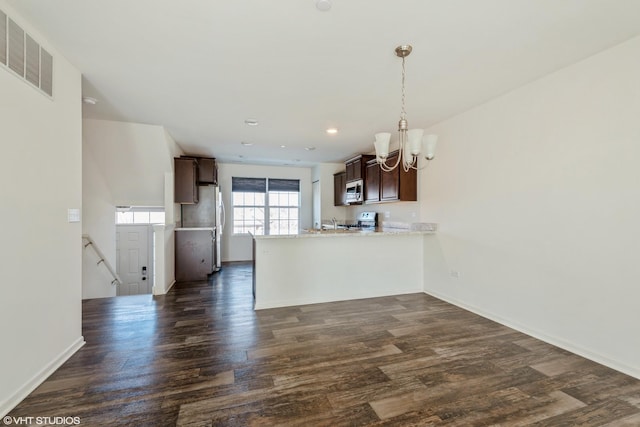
column 134, row 248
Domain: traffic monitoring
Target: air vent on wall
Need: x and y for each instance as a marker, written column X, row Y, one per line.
column 3, row 38
column 16, row 48
column 32, row 69
column 46, row 72
column 23, row 55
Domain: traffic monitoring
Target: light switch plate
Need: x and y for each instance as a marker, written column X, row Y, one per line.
column 73, row 215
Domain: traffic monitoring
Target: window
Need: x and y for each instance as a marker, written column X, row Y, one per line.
column 249, row 205
column 248, row 212
column 284, row 206
column 139, row 215
column 256, row 199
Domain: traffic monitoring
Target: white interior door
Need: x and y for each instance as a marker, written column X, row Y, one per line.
column 132, row 259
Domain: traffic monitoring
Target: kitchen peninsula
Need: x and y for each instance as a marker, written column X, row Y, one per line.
column 335, row 265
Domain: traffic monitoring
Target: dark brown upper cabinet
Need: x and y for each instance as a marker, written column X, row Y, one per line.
column 340, row 189
column 207, row 171
column 394, row 186
column 185, row 180
column 372, row 182
column 356, row 167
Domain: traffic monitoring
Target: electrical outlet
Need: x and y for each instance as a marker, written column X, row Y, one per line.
column 455, row 274
column 387, row 215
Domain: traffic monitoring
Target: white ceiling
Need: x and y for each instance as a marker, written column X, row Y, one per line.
column 201, row 67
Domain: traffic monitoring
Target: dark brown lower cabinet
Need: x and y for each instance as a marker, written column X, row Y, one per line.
column 194, row 254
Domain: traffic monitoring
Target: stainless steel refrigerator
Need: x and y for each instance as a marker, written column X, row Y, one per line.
column 208, row 213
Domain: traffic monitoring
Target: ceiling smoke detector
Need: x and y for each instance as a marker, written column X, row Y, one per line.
column 323, row 5
column 89, row 100
column 251, row 122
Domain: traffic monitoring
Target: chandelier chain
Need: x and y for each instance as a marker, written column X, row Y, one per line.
column 403, row 112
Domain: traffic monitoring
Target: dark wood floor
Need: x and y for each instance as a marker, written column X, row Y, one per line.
column 201, row 356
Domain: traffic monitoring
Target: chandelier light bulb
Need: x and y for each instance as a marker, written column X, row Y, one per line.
column 429, row 143
column 382, row 144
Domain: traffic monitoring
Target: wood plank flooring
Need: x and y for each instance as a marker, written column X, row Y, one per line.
column 200, row 356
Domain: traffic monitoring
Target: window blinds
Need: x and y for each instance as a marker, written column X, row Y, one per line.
column 284, row 185
column 259, row 185
column 248, row 185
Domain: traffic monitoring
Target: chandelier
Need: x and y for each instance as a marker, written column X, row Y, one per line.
column 411, row 142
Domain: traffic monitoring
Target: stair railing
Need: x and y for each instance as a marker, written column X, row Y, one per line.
column 116, row 279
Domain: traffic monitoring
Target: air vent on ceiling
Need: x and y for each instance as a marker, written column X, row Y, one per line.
column 22, row 54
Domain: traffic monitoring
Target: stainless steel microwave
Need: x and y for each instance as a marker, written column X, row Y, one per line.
column 354, row 191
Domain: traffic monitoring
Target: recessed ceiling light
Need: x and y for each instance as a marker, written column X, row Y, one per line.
column 310, row 148
column 252, row 122
column 332, row 131
column 283, row 146
column 89, row 100
column 323, row 5
column 247, row 144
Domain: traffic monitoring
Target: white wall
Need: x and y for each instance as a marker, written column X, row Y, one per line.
column 163, row 250
column 123, row 164
column 239, row 247
column 40, row 253
column 172, row 210
column 165, row 260
column 537, row 199
column 133, row 159
column 323, row 172
column 99, row 223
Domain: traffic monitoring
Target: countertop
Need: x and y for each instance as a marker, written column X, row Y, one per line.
column 195, row 229
column 350, row 233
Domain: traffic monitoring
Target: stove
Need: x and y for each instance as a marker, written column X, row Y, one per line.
column 367, row 220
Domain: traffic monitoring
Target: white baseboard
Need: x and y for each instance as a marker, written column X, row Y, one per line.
column 549, row 339
column 39, row 378
column 262, row 305
column 157, row 291
column 170, row 286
